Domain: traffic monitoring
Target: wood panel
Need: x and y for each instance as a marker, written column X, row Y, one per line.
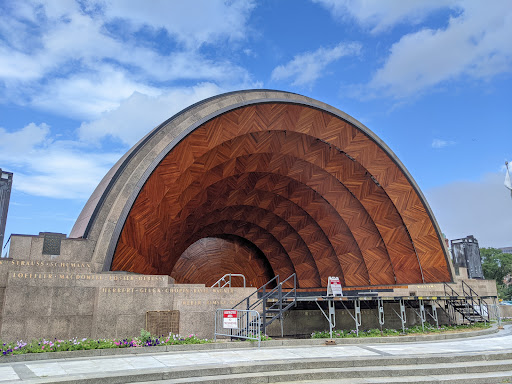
column 297, row 250
column 375, row 259
column 349, row 173
column 210, row 258
column 318, row 221
column 265, row 138
column 273, row 250
column 290, row 224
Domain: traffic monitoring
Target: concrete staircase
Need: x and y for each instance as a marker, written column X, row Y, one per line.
column 490, row 368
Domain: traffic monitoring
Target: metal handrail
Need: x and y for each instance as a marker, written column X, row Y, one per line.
column 228, row 282
column 471, row 291
column 469, row 302
column 451, row 303
column 291, row 291
column 265, row 295
column 257, row 291
column 473, row 294
column 453, row 292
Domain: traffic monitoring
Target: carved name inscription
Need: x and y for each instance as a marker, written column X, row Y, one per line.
column 71, row 276
column 164, row 290
column 42, row 263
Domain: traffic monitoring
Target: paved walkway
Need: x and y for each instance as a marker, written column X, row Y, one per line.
column 31, row 371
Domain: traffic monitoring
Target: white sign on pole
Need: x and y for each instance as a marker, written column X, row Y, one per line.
column 230, row 318
column 334, row 286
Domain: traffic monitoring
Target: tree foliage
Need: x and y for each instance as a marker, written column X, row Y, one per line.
column 496, row 265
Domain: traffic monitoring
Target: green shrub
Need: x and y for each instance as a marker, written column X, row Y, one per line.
column 417, row 329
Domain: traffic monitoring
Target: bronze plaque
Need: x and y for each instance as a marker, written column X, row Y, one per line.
column 51, row 244
column 161, row 323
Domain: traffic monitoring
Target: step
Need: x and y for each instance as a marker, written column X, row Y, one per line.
column 473, row 378
column 473, row 368
column 435, row 373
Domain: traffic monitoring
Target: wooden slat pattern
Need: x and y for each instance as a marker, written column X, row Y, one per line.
column 213, row 257
column 350, row 173
column 348, row 208
column 297, row 250
column 286, row 221
column 270, row 247
column 392, row 234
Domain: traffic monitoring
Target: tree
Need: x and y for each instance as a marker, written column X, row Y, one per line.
column 496, row 265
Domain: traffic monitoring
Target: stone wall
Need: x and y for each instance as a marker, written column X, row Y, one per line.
column 64, row 299
column 29, row 247
column 66, row 295
column 481, row 286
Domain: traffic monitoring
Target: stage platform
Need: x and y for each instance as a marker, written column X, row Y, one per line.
column 457, row 308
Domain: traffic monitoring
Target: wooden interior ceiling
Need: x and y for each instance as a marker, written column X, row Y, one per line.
column 314, row 194
column 224, row 254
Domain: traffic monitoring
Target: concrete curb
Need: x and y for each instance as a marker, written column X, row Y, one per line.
column 225, row 345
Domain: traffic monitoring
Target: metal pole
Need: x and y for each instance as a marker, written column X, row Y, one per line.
column 434, row 314
column 403, row 316
column 357, row 313
column 264, row 303
column 422, row 315
column 332, row 316
column 280, row 298
column 380, row 304
column 498, row 312
column 259, row 329
column 295, row 288
column 215, row 331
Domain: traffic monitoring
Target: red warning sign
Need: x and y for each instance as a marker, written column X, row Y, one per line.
column 334, row 286
column 230, row 318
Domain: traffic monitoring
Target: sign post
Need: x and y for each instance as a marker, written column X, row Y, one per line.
column 230, row 319
column 334, row 286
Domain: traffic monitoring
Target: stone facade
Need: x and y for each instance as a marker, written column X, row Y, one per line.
column 481, row 286
column 64, row 296
column 57, row 297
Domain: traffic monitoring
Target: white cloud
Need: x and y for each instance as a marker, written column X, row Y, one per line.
column 475, row 44
column 140, row 113
column 87, row 95
column 87, row 60
column 191, row 22
column 478, row 208
column 22, row 142
column 439, row 143
column 379, row 15
column 53, row 168
column 306, row 68
column 69, row 62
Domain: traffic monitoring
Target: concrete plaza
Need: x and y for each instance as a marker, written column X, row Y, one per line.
column 132, row 366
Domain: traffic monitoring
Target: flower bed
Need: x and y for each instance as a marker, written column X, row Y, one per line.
column 145, row 340
column 417, row 329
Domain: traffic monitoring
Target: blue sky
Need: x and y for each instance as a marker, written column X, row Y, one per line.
column 82, row 81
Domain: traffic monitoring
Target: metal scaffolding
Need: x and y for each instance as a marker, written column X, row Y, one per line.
column 459, row 309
